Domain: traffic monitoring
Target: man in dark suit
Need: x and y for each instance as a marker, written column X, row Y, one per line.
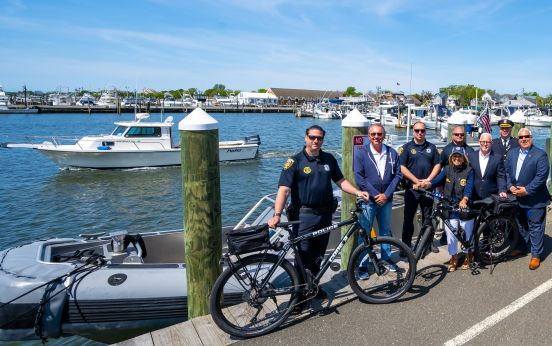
column 489, row 170
column 526, row 174
column 505, row 142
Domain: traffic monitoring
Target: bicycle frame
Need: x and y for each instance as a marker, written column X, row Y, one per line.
column 355, row 225
column 479, row 222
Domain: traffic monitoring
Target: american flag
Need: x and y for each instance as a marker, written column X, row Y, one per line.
column 485, row 121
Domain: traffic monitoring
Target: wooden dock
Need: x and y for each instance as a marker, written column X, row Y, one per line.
column 203, row 331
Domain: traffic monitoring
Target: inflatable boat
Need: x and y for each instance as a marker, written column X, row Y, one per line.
column 106, row 288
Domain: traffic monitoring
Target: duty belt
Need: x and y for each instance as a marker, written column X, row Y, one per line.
column 315, row 211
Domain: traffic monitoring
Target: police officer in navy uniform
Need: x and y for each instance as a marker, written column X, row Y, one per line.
column 308, row 176
column 419, row 163
column 458, row 140
column 505, row 142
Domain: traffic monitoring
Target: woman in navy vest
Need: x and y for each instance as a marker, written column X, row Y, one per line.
column 457, row 178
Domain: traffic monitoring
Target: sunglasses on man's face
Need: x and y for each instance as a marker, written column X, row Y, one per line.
column 376, row 134
column 523, row 137
column 419, row 130
column 458, row 134
column 312, row 138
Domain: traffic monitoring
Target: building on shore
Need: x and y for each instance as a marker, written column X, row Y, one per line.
column 257, row 99
column 300, row 96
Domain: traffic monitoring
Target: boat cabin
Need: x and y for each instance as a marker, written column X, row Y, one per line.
column 133, row 136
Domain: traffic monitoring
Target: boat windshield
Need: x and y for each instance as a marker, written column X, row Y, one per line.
column 119, row 131
column 144, row 132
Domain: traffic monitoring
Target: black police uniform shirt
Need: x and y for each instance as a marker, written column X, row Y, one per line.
column 419, row 158
column 310, row 179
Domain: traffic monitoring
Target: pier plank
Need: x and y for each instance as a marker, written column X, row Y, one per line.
column 210, row 334
column 142, row 340
column 182, row 334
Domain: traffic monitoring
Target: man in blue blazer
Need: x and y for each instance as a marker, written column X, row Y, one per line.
column 377, row 171
column 526, row 174
column 489, row 170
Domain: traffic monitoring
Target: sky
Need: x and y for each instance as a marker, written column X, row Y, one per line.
column 398, row 45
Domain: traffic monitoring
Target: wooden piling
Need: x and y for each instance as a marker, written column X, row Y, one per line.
column 354, row 124
column 199, row 142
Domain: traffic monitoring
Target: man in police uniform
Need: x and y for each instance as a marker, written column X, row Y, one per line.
column 308, row 175
column 458, row 140
column 419, row 163
column 505, row 142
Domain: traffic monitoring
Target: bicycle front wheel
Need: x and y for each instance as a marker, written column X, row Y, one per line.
column 242, row 307
column 496, row 239
column 377, row 274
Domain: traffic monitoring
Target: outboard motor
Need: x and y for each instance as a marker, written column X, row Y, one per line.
column 253, row 140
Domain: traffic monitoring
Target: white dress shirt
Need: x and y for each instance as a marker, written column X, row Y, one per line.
column 483, row 161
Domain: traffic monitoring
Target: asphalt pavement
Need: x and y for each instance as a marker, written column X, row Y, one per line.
column 511, row 306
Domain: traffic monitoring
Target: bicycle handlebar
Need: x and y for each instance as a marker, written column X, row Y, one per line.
column 448, row 203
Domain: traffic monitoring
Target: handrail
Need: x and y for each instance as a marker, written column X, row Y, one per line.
column 255, row 207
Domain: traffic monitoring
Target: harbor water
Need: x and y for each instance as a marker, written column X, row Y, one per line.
column 38, row 200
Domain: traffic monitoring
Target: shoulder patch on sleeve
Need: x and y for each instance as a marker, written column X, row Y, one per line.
column 289, row 163
column 401, row 150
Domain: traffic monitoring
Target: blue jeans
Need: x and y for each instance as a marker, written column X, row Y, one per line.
column 383, row 214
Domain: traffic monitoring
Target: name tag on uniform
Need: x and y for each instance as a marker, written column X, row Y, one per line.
column 327, row 168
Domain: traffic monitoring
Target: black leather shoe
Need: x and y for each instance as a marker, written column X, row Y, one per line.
column 434, row 248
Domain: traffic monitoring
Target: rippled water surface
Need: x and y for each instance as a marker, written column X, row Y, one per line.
column 38, row 200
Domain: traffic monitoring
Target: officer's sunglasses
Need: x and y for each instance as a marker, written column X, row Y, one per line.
column 312, row 138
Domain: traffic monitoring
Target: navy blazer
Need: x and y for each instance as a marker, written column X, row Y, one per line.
column 494, row 180
column 533, row 176
column 366, row 174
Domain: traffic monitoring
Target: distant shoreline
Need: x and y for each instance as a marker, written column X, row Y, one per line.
column 157, row 109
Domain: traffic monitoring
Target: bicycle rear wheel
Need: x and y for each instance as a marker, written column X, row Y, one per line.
column 377, row 274
column 496, row 239
column 242, row 308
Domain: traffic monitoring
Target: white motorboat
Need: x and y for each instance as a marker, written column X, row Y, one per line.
column 133, row 144
column 533, row 118
column 86, row 100
column 108, row 99
column 60, row 99
column 4, row 99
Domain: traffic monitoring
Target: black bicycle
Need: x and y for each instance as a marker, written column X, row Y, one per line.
column 495, row 229
column 258, row 291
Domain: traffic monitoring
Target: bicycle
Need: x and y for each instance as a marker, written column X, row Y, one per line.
column 257, row 292
column 495, row 232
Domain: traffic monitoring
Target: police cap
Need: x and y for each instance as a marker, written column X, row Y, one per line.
column 505, row 123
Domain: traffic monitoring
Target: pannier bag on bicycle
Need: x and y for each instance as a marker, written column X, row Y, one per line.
column 504, row 205
column 249, row 239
